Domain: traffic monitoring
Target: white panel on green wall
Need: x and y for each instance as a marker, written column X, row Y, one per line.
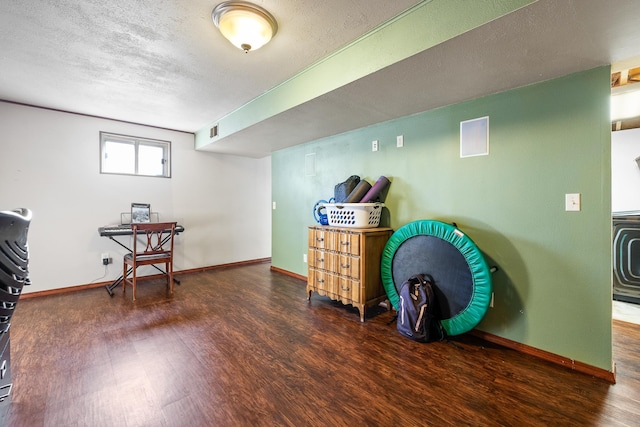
column 474, row 137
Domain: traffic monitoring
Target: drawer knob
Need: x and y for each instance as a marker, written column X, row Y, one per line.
column 345, row 288
column 344, row 243
column 320, row 239
column 345, row 265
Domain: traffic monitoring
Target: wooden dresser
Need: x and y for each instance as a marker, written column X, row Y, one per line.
column 344, row 264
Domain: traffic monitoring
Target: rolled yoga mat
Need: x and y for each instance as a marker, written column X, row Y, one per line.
column 375, row 191
column 356, row 195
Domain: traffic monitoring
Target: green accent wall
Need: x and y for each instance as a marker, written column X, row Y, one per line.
column 419, row 28
column 553, row 286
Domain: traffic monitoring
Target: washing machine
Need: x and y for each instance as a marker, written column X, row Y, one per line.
column 626, row 256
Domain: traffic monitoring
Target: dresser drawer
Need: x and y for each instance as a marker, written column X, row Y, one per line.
column 322, row 239
column 317, row 279
column 348, row 265
column 324, row 283
column 349, row 289
column 348, row 243
column 322, row 260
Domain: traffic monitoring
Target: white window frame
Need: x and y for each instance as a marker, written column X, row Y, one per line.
column 136, row 142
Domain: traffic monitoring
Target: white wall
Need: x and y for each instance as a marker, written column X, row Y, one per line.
column 625, row 174
column 49, row 163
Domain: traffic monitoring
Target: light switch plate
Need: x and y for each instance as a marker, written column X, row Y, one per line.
column 572, row 202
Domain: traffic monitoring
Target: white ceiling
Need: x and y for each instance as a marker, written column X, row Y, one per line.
column 163, row 63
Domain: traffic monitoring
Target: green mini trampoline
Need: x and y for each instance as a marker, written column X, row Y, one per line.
column 461, row 276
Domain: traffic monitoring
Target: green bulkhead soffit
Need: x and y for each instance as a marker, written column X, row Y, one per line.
column 423, row 26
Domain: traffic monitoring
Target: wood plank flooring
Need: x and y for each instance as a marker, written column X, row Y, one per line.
column 241, row 346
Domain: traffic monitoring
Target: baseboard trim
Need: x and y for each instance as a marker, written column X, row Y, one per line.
column 153, row 276
column 289, row 273
column 609, row 376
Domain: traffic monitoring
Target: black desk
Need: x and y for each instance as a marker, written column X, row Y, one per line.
column 125, row 230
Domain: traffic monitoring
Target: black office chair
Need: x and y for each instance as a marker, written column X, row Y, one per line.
column 14, row 261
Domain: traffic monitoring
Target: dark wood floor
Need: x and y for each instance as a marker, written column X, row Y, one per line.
column 241, row 346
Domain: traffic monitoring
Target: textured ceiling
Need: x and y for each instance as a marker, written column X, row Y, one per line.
column 163, row 63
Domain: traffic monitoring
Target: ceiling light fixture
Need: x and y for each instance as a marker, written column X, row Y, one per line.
column 246, row 25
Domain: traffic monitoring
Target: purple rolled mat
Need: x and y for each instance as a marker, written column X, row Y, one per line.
column 375, row 191
column 361, row 189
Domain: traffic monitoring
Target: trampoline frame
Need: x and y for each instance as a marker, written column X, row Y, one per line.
column 472, row 314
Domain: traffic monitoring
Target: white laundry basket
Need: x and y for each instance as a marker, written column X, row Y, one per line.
column 354, row 215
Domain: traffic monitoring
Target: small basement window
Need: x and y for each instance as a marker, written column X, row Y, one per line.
column 129, row 155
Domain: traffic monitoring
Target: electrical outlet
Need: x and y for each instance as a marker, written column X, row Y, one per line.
column 105, row 258
column 374, row 145
column 274, row 206
column 304, row 258
column 400, row 141
column 491, row 303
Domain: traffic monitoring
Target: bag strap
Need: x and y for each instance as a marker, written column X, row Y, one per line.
column 422, row 279
column 393, row 319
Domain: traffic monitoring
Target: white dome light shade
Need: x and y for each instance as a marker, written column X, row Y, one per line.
column 245, row 25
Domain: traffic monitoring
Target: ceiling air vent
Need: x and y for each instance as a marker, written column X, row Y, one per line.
column 213, row 132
